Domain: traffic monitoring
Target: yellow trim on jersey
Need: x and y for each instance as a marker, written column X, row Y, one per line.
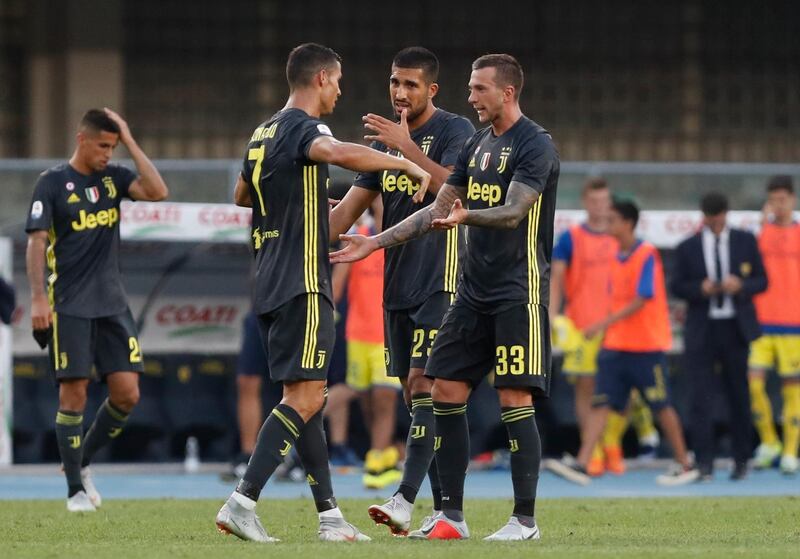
column 451, row 260
column 533, row 263
column 311, row 232
column 51, row 265
column 55, row 341
column 51, row 291
column 312, row 327
column 535, row 358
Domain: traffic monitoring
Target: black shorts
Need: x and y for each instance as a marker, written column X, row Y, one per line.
column 110, row 343
column 298, row 338
column 409, row 333
column 514, row 344
column 252, row 359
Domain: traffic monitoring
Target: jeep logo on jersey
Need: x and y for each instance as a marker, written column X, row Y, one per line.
column 489, row 193
column 92, row 194
column 104, row 218
column 485, row 161
column 401, row 182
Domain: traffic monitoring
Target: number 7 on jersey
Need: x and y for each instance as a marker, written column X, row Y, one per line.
column 257, row 155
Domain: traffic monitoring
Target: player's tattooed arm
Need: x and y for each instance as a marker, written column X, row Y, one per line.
column 417, row 224
column 519, row 201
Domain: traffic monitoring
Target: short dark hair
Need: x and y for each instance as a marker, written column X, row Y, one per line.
column 98, row 121
column 593, row 184
column 713, row 203
column 306, row 60
column 780, row 182
column 627, row 209
column 419, row 58
column 508, row 70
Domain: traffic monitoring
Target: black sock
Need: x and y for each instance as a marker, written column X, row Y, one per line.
column 526, row 455
column 436, row 485
column 108, row 424
column 276, row 438
column 312, row 448
column 452, row 455
column 69, row 434
column 419, row 448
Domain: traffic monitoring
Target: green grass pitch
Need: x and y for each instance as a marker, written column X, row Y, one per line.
column 641, row 528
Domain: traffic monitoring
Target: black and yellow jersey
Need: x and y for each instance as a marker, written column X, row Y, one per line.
column 81, row 215
column 416, row 270
column 507, row 267
column 289, row 193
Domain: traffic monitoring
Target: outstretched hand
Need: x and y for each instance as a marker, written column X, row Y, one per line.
column 458, row 213
column 358, row 247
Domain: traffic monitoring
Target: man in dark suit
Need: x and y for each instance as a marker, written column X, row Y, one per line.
column 718, row 271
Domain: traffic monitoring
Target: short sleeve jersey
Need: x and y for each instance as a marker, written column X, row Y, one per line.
column 289, row 193
column 81, row 215
column 415, row 270
column 508, row 267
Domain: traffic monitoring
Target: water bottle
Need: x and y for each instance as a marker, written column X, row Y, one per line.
column 191, row 463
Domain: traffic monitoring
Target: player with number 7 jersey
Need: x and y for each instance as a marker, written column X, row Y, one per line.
column 284, row 180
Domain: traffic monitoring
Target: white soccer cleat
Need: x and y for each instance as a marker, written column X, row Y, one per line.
column 678, row 475
column 766, row 455
column 514, row 531
column 91, row 490
column 80, row 502
column 789, row 465
column 339, row 530
column 393, row 513
column 235, row 519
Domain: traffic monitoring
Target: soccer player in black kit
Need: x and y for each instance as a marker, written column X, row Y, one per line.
column 420, row 276
column 504, row 188
column 83, row 316
column 285, row 179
